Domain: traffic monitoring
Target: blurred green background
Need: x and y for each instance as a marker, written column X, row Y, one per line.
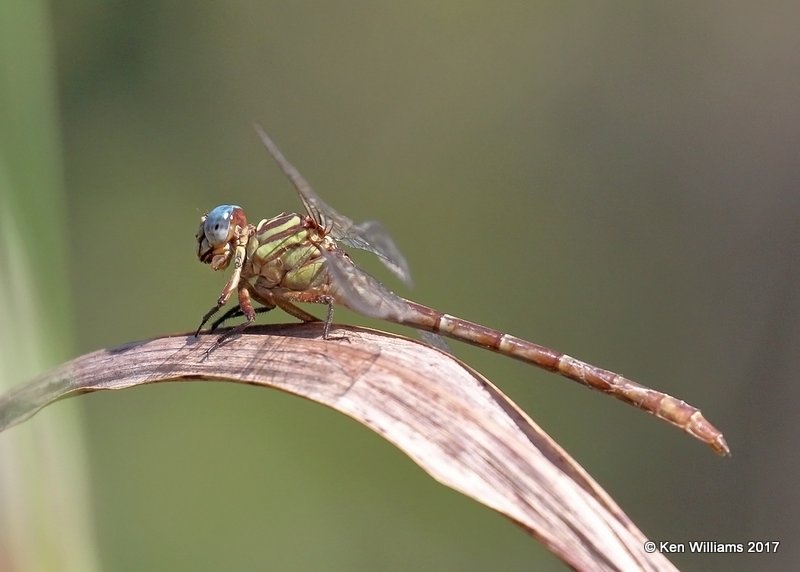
column 616, row 180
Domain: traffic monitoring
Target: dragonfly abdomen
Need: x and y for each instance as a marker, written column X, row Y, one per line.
column 666, row 407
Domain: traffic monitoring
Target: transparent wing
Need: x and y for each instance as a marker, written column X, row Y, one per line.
column 369, row 235
column 357, row 290
column 372, row 237
column 435, row 340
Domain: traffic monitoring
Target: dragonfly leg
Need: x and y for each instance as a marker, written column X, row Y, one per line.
column 298, row 313
column 285, row 300
column 235, row 312
column 328, row 300
column 328, row 317
column 205, row 319
column 232, row 285
column 246, row 307
column 282, row 298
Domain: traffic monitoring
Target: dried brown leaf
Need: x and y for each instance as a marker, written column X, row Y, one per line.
column 449, row 419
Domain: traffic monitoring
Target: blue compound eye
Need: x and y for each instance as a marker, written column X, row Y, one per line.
column 218, row 224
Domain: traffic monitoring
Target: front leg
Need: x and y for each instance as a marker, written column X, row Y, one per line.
column 235, row 312
column 207, row 316
column 232, row 284
column 246, row 307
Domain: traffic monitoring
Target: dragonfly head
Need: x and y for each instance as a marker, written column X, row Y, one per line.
column 219, row 232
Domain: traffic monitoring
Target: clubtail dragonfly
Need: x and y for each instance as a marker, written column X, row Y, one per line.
column 294, row 258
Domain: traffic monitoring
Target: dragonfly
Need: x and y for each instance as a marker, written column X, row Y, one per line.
column 296, row 258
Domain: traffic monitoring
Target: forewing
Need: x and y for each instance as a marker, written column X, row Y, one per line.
column 369, row 235
column 372, row 237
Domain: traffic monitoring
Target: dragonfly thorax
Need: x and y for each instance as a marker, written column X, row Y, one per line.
column 285, row 251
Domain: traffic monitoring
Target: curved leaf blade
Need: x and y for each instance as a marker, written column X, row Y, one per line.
column 451, row 421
